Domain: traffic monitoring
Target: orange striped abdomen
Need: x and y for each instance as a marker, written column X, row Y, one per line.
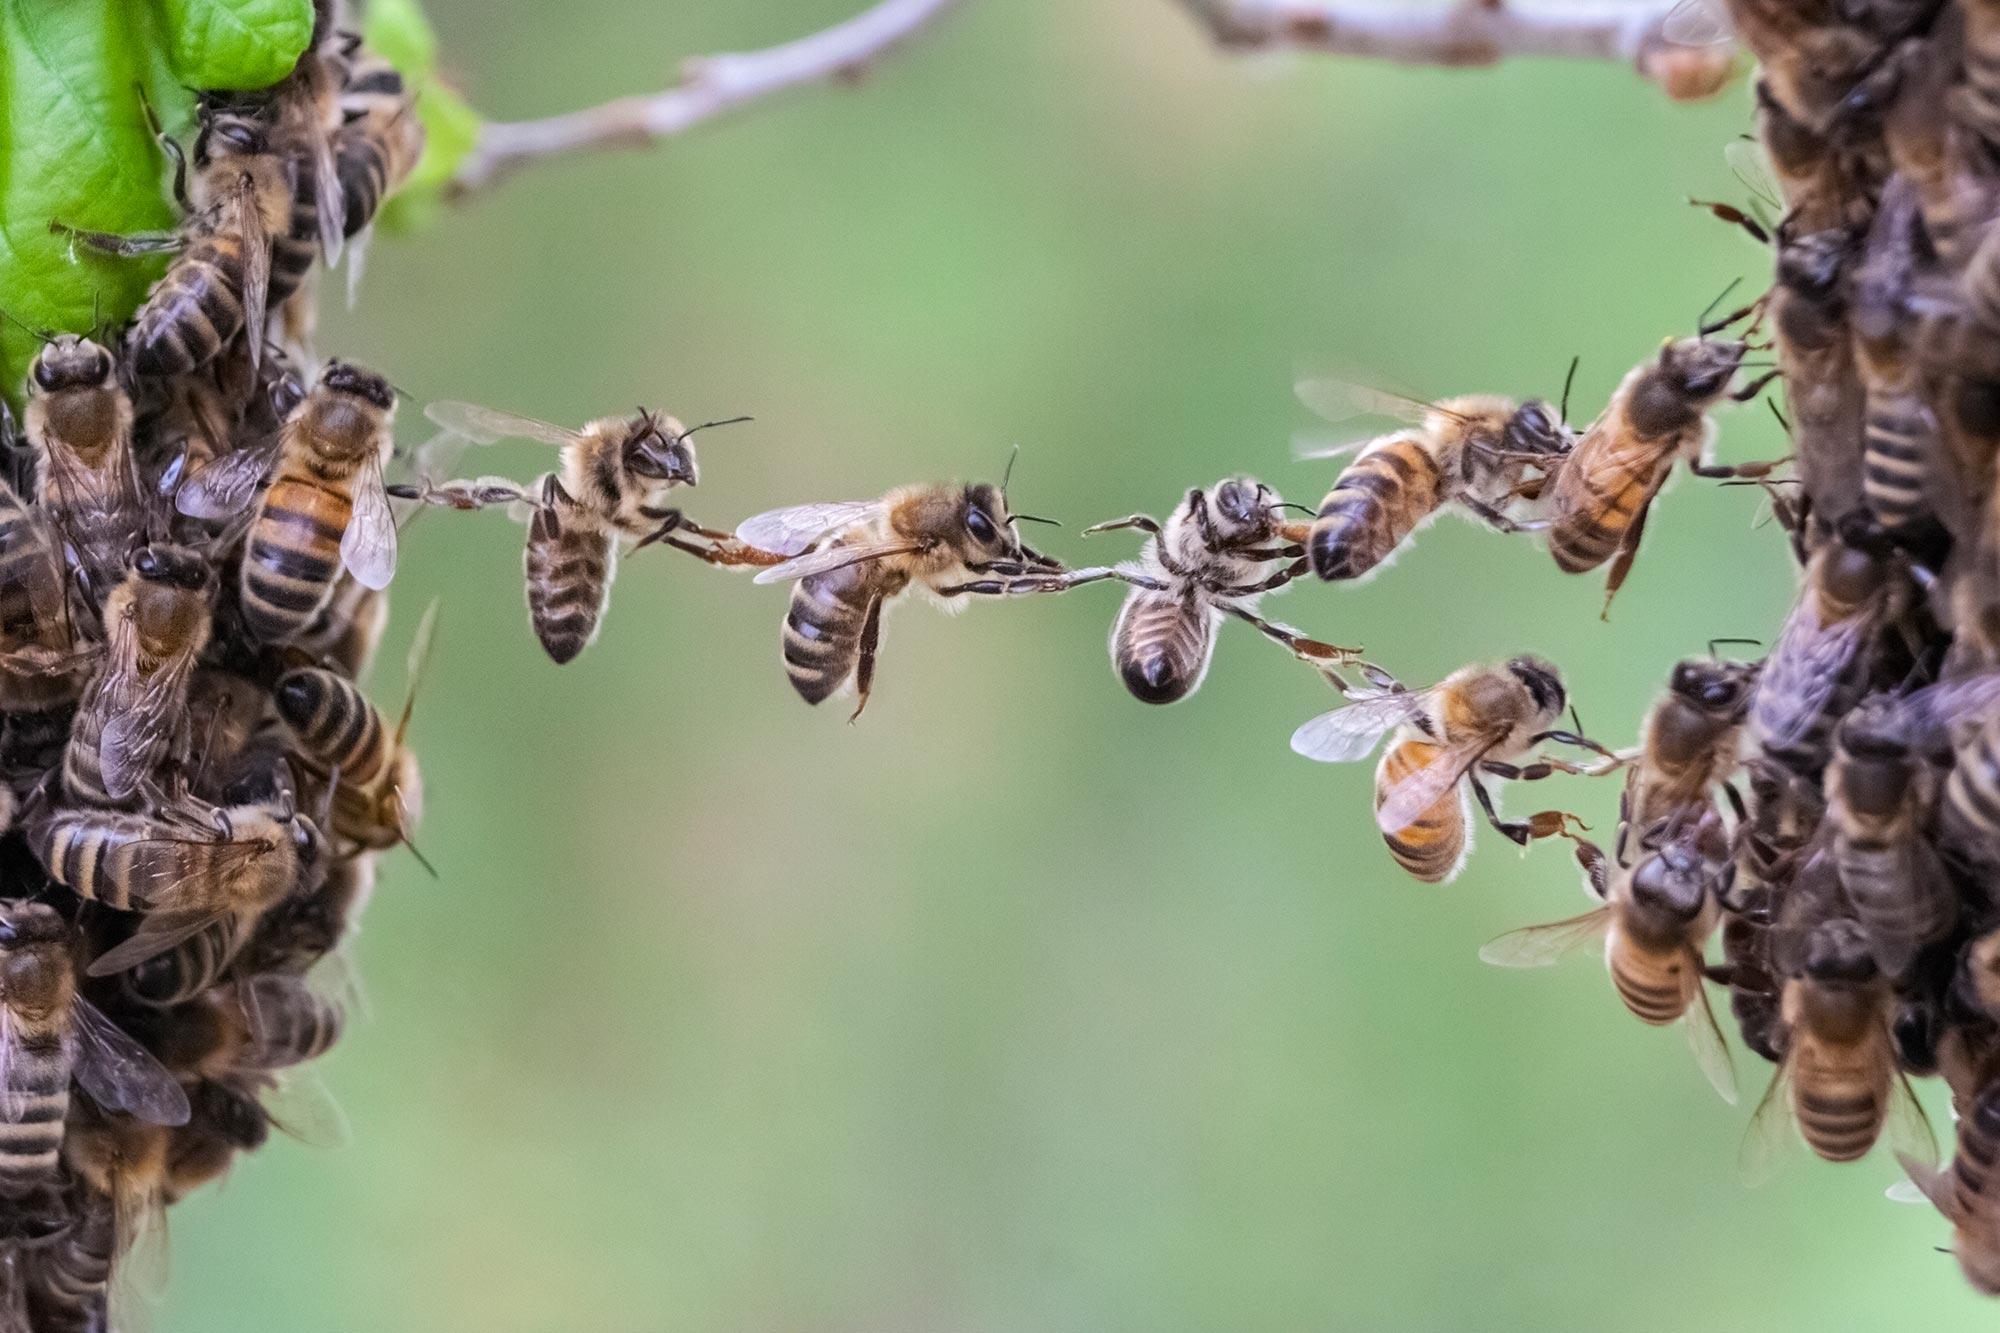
column 1161, row 645
column 1432, row 847
column 1654, row 986
column 1375, row 503
column 1840, row 1095
column 291, row 557
column 194, row 309
column 1595, row 509
column 822, row 635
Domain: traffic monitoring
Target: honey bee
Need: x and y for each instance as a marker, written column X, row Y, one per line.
column 289, row 1023
column 1880, row 793
column 1220, row 552
column 1688, row 746
column 134, row 714
column 348, row 629
column 172, row 872
column 325, row 507
column 1655, row 921
column 219, row 282
column 224, row 1121
column 1474, row 723
column 66, row 1281
column 124, row 1161
column 615, row 481
column 379, row 141
column 1966, row 1193
column 1810, row 55
column 851, row 559
column 1838, row 1079
column 1746, row 969
column 1487, row 455
column 40, row 668
column 79, row 423
column 308, row 926
column 1598, row 499
column 1814, row 348
column 49, row 1034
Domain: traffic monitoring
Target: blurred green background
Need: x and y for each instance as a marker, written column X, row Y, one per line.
column 1021, row 1005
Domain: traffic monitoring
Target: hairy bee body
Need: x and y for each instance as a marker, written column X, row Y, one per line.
column 295, row 245
column 1971, row 1194
column 570, row 562
column 378, row 792
column 347, row 630
column 79, row 421
column 1689, row 743
column 134, row 862
column 378, row 146
column 289, row 1023
column 1839, row 1056
column 225, row 1120
column 35, row 626
column 1879, row 795
column 825, row 622
column 37, row 989
column 1661, row 918
column 1753, row 987
column 1972, row 791
column 189, row 968
column 1814, row 345
column 1431, row 847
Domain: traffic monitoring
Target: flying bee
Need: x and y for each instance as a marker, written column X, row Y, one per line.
column 614, row 482
column 1688, row 745
column 1219, row 553
column 851, row 559
column 1655, row 922
column 1474, row 723
column 1838, row 1079
column 134, row 714
column 325, row 507
column 1489, row 456
column 1967, row 1193
column 1880, row 793
column 79, row 422
column 1599, row 497
column 49, row 1034
column 1820, row 665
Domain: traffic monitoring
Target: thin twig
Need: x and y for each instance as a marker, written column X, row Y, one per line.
column 1469, row 32
column 709, row 87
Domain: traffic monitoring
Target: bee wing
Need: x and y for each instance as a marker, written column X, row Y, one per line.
column 1746, row 159
column 1923, row 1183
column 1338, row 400
column 136, row 740
column 13, row 1103
column 1909, row 1129
column 1698, row 23
column 484, row 425
column 1802, row 672
column 832, row 558
column 1405, row 803
column 368, row 547
column 1711, row 1051
column 225, row 487
column 793, row 530
column 331, row 198
column 1942, row 707
column 256, row 269
column 300, row 1105
column 1346, row 734
column 119, row 1073
column 1770, row 1135
column 1539, row 946
column 159, row 932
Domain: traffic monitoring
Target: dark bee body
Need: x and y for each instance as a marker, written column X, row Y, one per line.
column 378, row 145
column 1753, row 986
column 1902, row 452
column 347, row 630
column 289, row 1023
column 224, row 1121
column 307, row 926
column 67, row 1280
column 826, row 622
column 295, row 246
column 189, row 968
column 1663, row 916
column 1972, row 792
column 1879, row 796
column 570, row 562
column 37, row 987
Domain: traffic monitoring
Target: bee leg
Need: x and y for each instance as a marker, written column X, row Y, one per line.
column 1582, row 743
column 1628, row 551
column 1596, row 872
column 1752, row 471
column 1492, row 517
column 1309, row 650
column 1140, row 521
column 864, row 667
column 1018, row 585
column 130, row 246
column 1754, row 387
column 1736, row 802
column 1542, row 824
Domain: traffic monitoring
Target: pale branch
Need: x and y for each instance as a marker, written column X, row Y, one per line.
column 709, row 87
column 1468, row 32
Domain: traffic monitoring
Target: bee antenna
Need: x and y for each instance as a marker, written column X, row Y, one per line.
column 41, row 335
column 1754, row 643
column 1702, row 324
column 1007, row 472
column 1569, row 380
column 726, row 421
column 1283, row 505
column 1036, row 518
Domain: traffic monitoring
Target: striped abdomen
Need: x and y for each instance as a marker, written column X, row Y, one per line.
column 102, row 856
column 1375, row 503
column 32, row 609
column 822, row 637
column 187, row 969
column 348, row 628
column 335, row 724
column 1899, row 453
column 1840, row 1095
column 1656, row 987
column 33, row 1103
column 68, row 1279
column 1161, row 644
column 570, row 566
column 1975, row 103
column 291, row 557
column 1898, row 908
column 1595, row 507
column 291, row 1024
column 1433, row 846
column 1972, row 792
column 1975, row 1193
column 193, row 310
column 294, row 250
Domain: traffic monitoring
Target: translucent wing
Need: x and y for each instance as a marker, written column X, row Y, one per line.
column 1312, row 447
column 357, row 262
column 368, row 547
column 329, row 197
column 1924, row 1183
column 159, row 932
column 136, row 740
column 1770, row 1133
column 225, row 487
column 832, row 558
column 1803, row 670
column 1340, row 400
column 484, row 425
column 793, row 530
column 1698, row 23
column 1938, row 709
column 1909, row 1129
column 119, row 1073
column 1539, row 946
column 1711, row 1052
column 300, row 1105
column 13, row 1103
column 1346, row 734
column 256, row 270
column 1746, row 159
column 1419, row 790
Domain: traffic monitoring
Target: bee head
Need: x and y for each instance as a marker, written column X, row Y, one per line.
column 657, row 447
column 1700, row 368
column 1534, row 428
column 1671, row 880
column 1543, row 682
column 983, row 517
column 70, row 361
column 340, row 377
column 27, row 922
column 173, row 566
column 1811, row 265
column 1712, row 687
column 1244, row 509
column 228, row 132
column 1837, row 950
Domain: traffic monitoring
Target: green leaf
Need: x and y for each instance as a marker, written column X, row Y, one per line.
column 75, row 148
column 399, row 32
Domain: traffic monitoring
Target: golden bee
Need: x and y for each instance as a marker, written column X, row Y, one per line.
column 1688, row 746
column 851, row 559
column 49, row 1034
column 1486, row 455
column 325, row 508
column 1655, row 921
column 1473, row 724
column 79, row 423
column 1219, row 553
column 615, row 483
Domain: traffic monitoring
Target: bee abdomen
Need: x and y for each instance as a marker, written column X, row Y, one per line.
column 293, row 253
column 193, row 311
column 1972, row 792
column 1838, row 1120
column 336, row 725
column 569, row 582
column 92, row 857
column 1655, row 992
column 291, row 557
column 69, row 1276
column 822, row 637
column 187, row 969
column 1593, row 532
column 1898, row 454
column 1374, row 504
column 1431, row 847
column 31, row 1141
column 293, row 1025
column 1161, row 644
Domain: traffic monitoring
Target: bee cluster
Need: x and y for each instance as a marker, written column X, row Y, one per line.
column 194, row 544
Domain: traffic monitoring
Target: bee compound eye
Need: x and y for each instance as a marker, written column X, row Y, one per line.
column 980, row 526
